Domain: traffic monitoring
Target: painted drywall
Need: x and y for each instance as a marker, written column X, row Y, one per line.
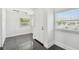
column 13, row 26
column 38, row 24
column 67, row 38
column 0, row 27
column 50, row 27
column 3, row 25
column 43, row 26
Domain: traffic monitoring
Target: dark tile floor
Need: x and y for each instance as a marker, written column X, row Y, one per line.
column 25, row 42
column 1, row 48
column 38, row 46
column 55, row 47
column 22, row 42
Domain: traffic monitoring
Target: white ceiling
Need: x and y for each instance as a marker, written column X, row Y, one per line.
column 29, row 11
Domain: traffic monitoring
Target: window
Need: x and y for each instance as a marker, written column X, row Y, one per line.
column 68, row 20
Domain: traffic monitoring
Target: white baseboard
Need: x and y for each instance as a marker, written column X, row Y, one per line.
column 48, row 45
column 17, row 34
column 64, row 46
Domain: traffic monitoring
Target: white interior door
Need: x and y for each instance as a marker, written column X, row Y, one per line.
column 38, row 27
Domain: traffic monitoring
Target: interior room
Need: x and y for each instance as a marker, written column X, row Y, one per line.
column 39, row 28
column 18, row 29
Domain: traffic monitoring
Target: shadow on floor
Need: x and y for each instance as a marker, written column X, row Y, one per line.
column 38, row 46
column 55, row 47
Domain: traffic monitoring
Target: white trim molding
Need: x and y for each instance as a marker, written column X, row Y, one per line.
column 3, row 25
column 64, row 46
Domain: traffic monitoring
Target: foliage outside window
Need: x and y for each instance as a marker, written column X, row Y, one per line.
column 24, row 21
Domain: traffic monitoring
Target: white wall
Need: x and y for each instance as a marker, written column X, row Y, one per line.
column 66, row 39
column 50, row 27
column 0, row 27
column 3, row 25
column 44, row 18
column 38, row 24
column 13, row 26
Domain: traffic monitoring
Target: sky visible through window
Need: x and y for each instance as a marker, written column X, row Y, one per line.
column 71, row 13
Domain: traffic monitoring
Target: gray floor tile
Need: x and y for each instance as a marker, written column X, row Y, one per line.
column 38, row 46
column 22, row 42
